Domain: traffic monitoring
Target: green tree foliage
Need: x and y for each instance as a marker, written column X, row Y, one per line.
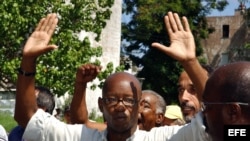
column 56, row 69
column 147, row 25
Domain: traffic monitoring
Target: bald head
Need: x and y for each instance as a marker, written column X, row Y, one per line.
column 230, row 82
column 119, row 79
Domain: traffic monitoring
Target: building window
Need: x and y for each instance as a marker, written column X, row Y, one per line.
column 225, row 33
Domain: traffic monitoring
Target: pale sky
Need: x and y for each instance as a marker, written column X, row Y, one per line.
column 229, row 10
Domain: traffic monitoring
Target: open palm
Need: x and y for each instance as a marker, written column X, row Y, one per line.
column 37, row 43
column 182, row 46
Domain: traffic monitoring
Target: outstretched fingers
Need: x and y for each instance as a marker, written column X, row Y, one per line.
column 186, row 24
column 170, row 22
column 173, row 22
column 178, row 22
column 48, row 24
column 37, row 43
column 39, row 26
column 44, row 23
column 181, row 39
column 168, row 26
column 52, row 23
column 48, row 27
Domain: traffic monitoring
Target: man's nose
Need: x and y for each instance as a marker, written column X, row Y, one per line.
column 120, row 106
column 185, row 95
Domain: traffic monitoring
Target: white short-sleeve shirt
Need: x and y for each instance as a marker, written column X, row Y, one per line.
column 45, row 127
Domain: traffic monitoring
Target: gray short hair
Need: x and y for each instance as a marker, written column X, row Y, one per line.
column 160, row 104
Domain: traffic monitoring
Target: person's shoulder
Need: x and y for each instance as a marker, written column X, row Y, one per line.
column 198, row 119
column 2, row 130
column 3, row 134
column 17, row 130
column 16, row 134
column 1, row 127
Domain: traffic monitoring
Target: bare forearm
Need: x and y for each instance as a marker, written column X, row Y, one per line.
column 36, row 45
column 25, row 93
column 78, row 108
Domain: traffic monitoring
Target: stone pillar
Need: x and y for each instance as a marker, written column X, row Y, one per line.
column 111, row 42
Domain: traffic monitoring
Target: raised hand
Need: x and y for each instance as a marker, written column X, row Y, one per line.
column 182, row 46
column 38, row 42
column 87, row 73
column 78, row 107
column 36, row 45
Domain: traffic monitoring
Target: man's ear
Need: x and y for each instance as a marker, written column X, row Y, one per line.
column 232, row 113
column 159, row 119
column 100, row 104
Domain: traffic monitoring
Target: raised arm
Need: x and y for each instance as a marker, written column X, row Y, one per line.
column 78, row 108
column 182, row 49
column 36, row 45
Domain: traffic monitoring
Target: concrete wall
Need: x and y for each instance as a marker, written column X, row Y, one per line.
column 216, row 46
column 110, row 41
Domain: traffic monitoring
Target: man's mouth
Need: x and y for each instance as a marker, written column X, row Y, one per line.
column 120, row 118
column 187, row 109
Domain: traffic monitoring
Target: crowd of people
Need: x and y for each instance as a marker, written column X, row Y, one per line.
column 209, row 99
